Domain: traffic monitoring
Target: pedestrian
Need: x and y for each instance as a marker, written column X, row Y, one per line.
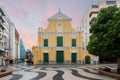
column 31, row 59
column 30, row 56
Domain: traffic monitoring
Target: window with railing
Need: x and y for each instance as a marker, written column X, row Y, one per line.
column 73, row 42
column 45, row 42
column 59, row 41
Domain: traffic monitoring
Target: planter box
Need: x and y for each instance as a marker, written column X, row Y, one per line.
column 107, row 69
column 106, row 73
column 5, row 73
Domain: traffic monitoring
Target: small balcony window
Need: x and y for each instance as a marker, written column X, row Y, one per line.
column 110, row 2
column 95, row 6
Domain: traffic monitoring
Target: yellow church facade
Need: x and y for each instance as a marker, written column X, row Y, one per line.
column 60, row 43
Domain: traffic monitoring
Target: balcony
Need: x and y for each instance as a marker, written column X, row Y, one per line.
column 93, row 11
column 2, row 25
column 92, row 17
column 1, row 37
column 1, row 47
column 1, row 33
column 5, row 26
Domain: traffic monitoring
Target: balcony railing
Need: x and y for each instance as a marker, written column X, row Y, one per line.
column 93, row 11
column 93, row 16
column 1, row 47
column 2, row 25
column 5, row 25
column 1, row 38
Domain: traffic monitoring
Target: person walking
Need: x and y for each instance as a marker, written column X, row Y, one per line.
column 30, row 56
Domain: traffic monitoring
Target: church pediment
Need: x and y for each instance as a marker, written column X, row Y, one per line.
column 59, row 17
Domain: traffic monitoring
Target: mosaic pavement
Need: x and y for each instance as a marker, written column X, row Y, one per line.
column 57, row 72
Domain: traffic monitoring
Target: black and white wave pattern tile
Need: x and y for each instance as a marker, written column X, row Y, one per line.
column 43, row 73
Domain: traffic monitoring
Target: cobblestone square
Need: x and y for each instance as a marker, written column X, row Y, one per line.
column 57, row 72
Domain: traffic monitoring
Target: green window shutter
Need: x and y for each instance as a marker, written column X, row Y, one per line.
column 45, row 42
column 73, row 42
column 59, row 41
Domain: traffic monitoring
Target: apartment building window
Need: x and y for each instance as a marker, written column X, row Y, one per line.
column 90, row 30
column 110, row 2
column 45, row 42
column 59, row 41
column 95, row 6
column 73, row 42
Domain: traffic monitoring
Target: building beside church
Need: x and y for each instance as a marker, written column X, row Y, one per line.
column 60, row 43
column 4, row 35
column 88, row 19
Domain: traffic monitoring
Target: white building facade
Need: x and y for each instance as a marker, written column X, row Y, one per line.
column 4, row 35
column 12, row 40
column 9, row 37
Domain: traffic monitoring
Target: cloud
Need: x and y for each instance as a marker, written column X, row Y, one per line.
column 74, row 13
column 43, row 23
column 28, row 39
column 31, row 4
column 50, row 11
column 13, row 8
column 19, row 12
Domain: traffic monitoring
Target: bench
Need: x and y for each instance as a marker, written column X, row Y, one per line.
column 5, row 72
column 110, row 74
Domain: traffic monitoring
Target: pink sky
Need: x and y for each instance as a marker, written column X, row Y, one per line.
column 28, row 15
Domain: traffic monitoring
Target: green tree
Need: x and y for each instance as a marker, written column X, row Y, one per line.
column 105, row 29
